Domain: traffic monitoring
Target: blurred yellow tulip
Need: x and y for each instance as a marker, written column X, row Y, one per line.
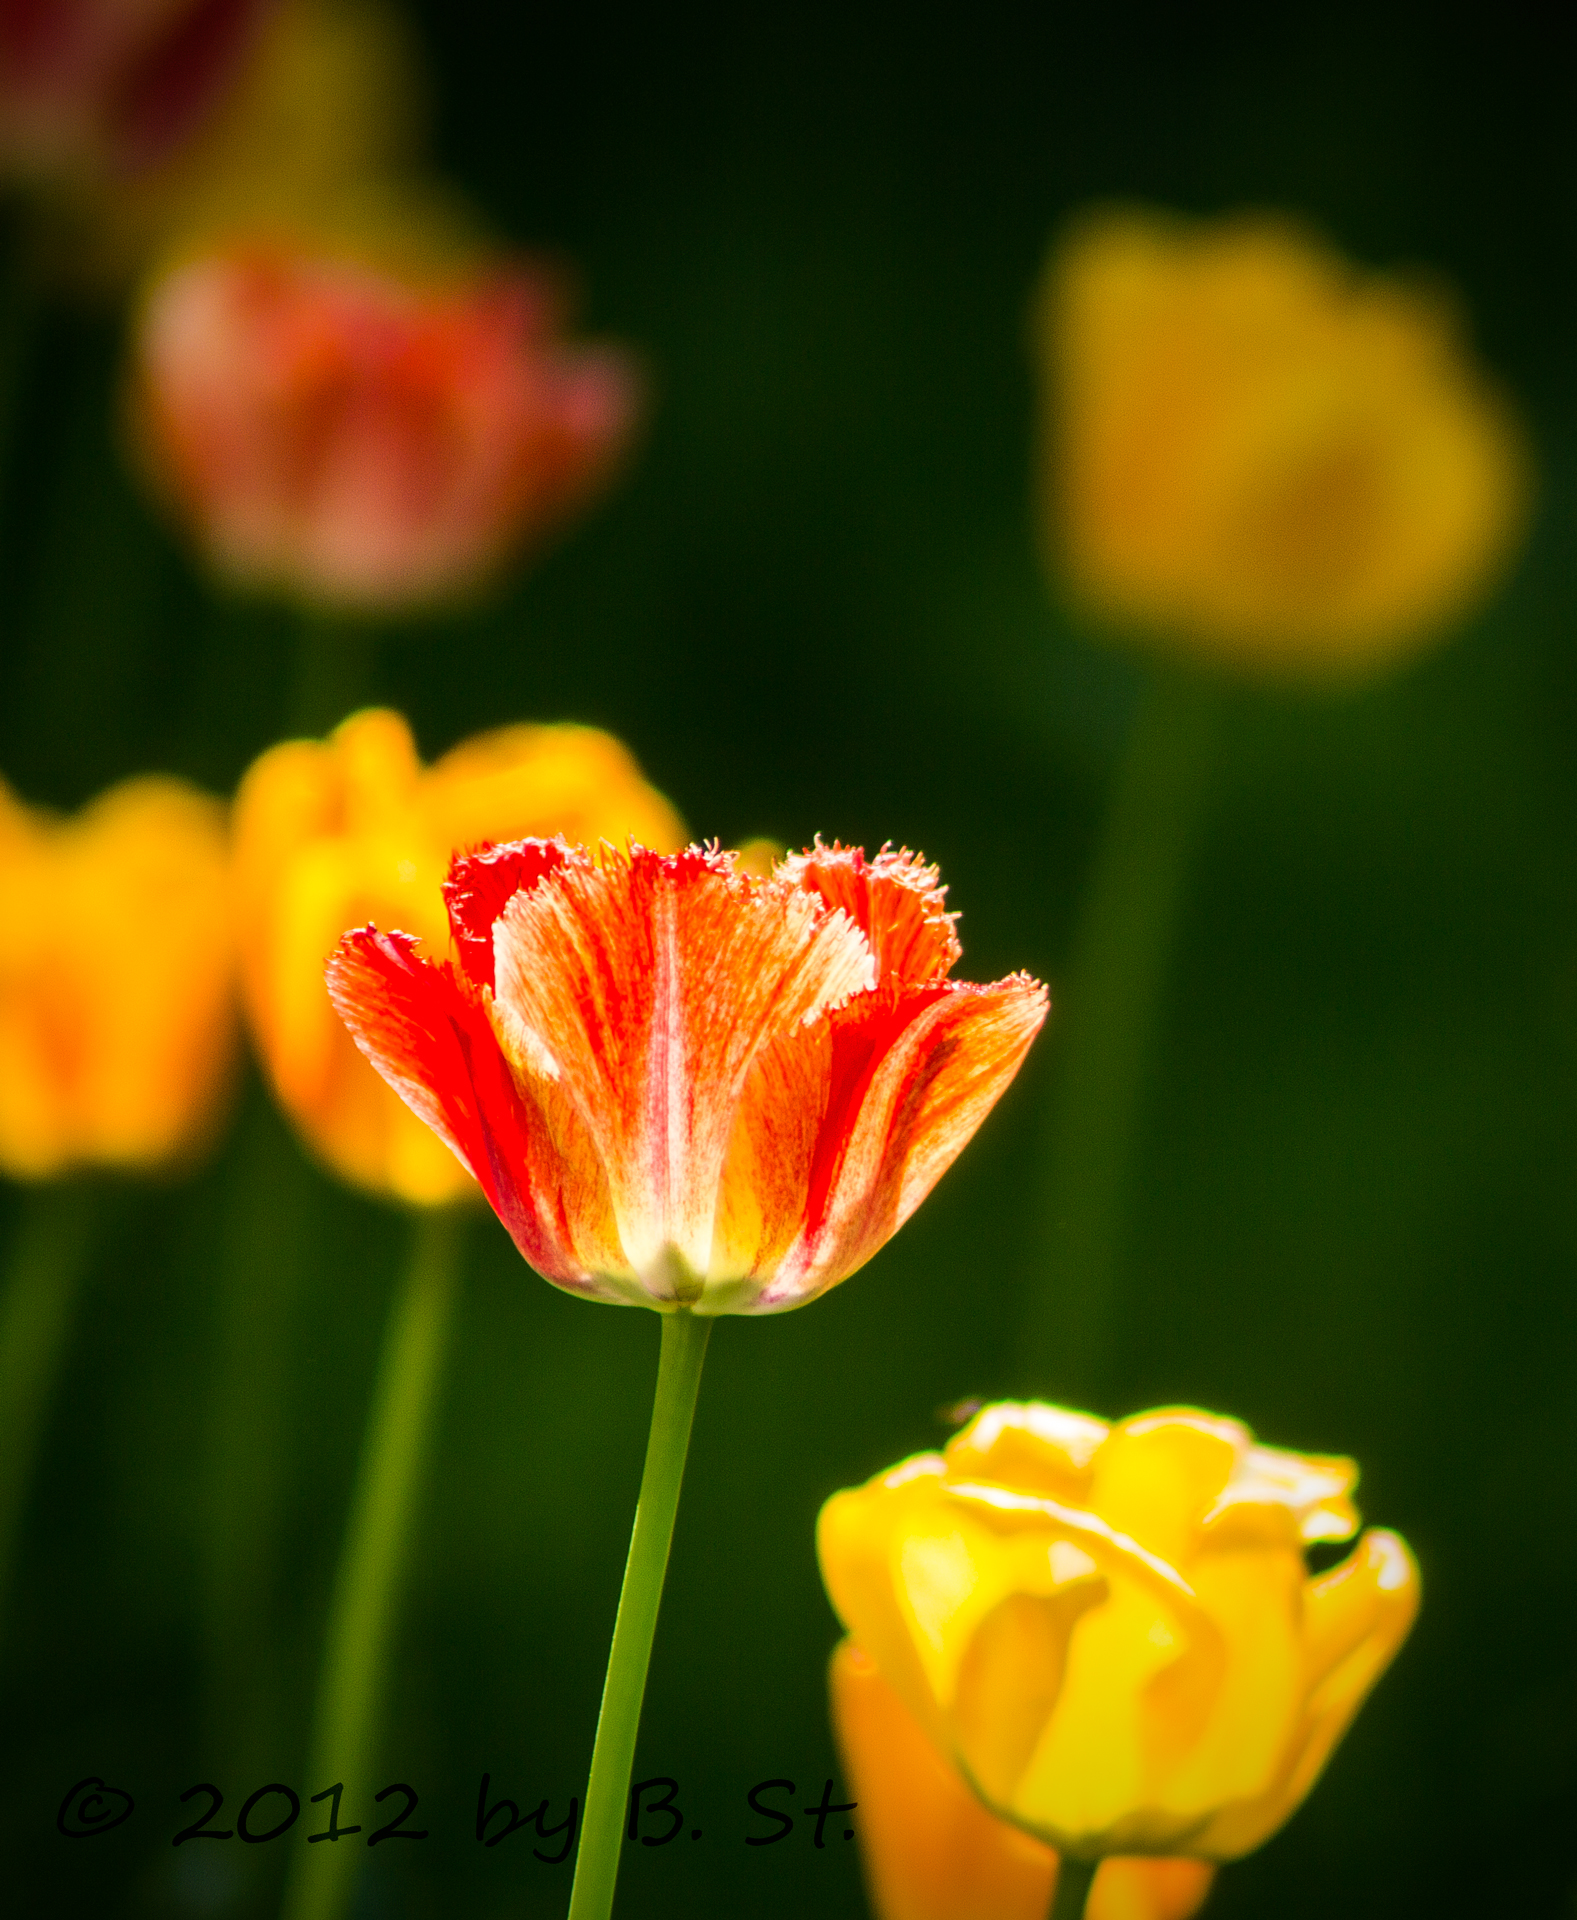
column 933, row 1852
column 1111, row 1630
column 117, row 992
column 333, row 834
column 1262, row 457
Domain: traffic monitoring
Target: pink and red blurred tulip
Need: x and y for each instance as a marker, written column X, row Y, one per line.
column 360, row 440
column 114, row 85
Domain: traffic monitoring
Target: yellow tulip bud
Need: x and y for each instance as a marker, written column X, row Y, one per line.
column 932, row 1851
column 1111, row 1630
column 117, row 998
column 332, row 834
column 1262, row 457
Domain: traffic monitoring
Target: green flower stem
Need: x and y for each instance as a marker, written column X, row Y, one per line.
column 1074, row 1880
column 613, row 1756
column 1115, row 985
column 334, row 663
column 36, row 1311
column 374, row 1557
column 269, row 1226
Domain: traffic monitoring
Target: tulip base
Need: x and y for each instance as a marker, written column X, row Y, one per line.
column 1117, row 978
column 613, row 1756
column 1074, row 1881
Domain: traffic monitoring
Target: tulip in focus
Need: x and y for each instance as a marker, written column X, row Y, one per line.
column 329, row 833
column 117, row 999
column 682, row 1087
column 364, row 441
column 1110, row 1631
column 95, row 87
column 932, row 1851
column 1259, row 455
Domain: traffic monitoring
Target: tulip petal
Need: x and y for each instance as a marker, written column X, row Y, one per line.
column 481, row 884
column 432, row 1041
column 905, row 1079
column 895, row 900
column 647, row 987
column 1357, row 1616
column 931, row 1851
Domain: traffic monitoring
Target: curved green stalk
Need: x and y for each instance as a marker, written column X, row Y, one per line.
column 373, row 1560
column 613, row 1756
column 36, row 1308
column 1074, row 1880
column 1115, row 984
column 269, row 1222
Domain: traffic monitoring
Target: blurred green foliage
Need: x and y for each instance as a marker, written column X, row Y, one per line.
column 813, row 606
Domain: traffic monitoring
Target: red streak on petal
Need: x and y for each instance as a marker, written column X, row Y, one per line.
column 907, row 1080
column 647, row 987
column 429, row 1036
column 479, row 887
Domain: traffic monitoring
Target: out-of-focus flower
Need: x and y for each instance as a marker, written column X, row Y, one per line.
column 683, row 1087
column 110, row 87
column 1111, row 1631
column 117, row 994
column 1260, row 456
column 352, row 828
column 160, row 127
column 932, row 1851
column 366, row 441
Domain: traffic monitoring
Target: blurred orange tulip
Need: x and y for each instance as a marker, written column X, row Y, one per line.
column 931, row 1849
column 334, row 833
column 366, row 441
column 1259, row 455
column 117, row 1001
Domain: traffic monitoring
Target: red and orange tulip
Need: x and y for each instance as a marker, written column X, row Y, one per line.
column 362, row 440
column 682, row 1087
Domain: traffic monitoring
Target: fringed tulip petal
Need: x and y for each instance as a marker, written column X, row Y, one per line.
column 895, row 900
column 1114, row 1636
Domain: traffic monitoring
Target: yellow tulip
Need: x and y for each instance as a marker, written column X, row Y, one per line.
column 333, row 834
column 1111, row 1630
column 117, row 996
column 1259, row 455
column 932, row 1851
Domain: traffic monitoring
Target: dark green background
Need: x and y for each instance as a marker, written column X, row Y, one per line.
column 814, row 605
